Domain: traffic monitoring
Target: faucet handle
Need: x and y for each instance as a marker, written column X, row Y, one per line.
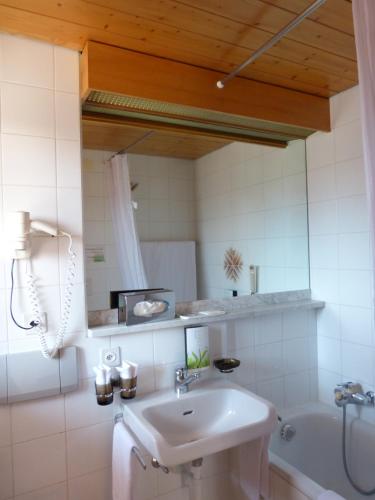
column 180, row 374
column 345, row 385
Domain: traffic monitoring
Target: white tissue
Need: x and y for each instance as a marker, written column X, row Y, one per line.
column 103, row 374
column 127, row 370
column 147, row 308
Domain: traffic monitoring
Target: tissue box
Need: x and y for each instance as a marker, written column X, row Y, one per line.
column 144, row 306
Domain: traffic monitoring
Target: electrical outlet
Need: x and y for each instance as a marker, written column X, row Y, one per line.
column 29, row 317
column 111, row 357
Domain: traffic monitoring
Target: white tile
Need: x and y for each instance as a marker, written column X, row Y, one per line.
column 297, row 389
column 40, row 202
column 49, row 467
column 273, row 390
column 295, row 157
column 81, row 408
column 89, row 449
column 169, row 346
column 295, row 189
column 268, row 329
column 39, row 418
column 55, row 492
column 325, row 284
column 6, row 473
column 355, row 288
column 327, row 381
column 69, row 208
column 354, row 251
column 68, row 163
column 345, row 107
column 66, row 70
column 242, row 335
column 323, row 217
column 93, row 486
column 324, row 251
column 137, row 348
column 356, row 324
column 329, row 354
column 320, row 150
column 328, row 321
column 27, row 110
column 27, row 61
column 321, row 183
column 358, row 362
column 297, row 324
column 296, row 355
column 269, row 361
column 49, row 299
column 67, row 116
column 28, row 161
column 350, row 177
column 88, row 351
column 353, row 214
column 348, row 141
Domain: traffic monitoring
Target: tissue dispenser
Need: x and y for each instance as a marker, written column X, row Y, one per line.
column 144, row 306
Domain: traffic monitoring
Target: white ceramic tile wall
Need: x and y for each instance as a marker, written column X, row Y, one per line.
column 252, row 198
column 59, row 448
column 166, row 211
column 340, row 252
column 41, row 173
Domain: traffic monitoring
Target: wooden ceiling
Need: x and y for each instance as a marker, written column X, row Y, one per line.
column 112, row 136
column 318, row 57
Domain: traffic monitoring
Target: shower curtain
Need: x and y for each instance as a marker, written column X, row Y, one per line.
column 364, row 30
column 124, row 227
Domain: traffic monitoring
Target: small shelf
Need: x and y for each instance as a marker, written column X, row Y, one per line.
column 244, row 312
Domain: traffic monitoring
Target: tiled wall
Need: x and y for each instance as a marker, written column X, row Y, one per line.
column 50, row 448
column 252, row 198
column 166, row 211
column 60, row 448
column 341, row 267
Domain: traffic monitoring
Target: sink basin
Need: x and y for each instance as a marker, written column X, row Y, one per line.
column 213, row 416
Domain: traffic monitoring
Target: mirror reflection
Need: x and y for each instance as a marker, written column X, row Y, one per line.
column 231, row 222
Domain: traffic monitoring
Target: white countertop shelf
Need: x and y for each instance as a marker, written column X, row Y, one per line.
column 243, row 312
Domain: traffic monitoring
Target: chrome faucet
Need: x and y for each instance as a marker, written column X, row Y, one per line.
column 351, row 393
column 182, row 380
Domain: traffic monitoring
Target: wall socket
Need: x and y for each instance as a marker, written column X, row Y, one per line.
column 29, row 317
column 111, row 357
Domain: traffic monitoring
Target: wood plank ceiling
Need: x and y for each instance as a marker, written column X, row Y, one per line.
column 318, row 57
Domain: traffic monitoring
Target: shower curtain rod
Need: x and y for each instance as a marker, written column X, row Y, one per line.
column 137, row 141
column 271, row 42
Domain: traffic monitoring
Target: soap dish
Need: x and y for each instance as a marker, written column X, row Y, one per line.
column 226, row 365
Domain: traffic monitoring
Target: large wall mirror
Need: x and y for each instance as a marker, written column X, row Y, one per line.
column 203, row 221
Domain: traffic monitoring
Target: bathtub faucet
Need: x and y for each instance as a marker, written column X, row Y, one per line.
column 351, row 393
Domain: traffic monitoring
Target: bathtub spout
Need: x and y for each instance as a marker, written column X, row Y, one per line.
column 350, row 393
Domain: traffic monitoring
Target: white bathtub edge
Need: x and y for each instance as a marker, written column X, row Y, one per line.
column 294, row 477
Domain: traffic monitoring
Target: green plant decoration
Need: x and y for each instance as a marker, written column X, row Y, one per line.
column 195, row 361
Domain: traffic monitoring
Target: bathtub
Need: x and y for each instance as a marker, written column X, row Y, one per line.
column 311, row 462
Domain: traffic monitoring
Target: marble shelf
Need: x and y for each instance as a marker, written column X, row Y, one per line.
column 260, row 309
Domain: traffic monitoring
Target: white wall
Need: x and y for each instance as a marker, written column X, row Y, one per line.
column 341, row 267
column 252, row 198
column 60, row 447
column 57, row 447
column 166, row 211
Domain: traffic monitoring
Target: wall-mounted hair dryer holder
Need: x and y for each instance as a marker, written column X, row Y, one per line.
column 19, row 228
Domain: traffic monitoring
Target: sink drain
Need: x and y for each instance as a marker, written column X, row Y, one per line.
column 188, row 412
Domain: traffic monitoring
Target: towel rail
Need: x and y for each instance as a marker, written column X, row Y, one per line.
column 135, row 450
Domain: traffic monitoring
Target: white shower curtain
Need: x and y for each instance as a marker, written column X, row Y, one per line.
column 364, row 30
column 124, row 227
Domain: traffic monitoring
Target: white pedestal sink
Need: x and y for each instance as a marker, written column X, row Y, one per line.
column 213, row 416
